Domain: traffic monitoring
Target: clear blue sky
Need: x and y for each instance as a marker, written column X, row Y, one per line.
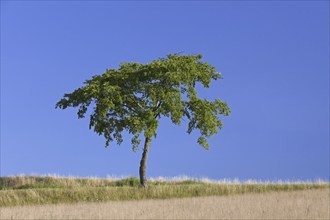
column 274, row 57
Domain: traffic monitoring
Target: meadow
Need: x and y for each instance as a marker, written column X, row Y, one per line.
column 37, row 197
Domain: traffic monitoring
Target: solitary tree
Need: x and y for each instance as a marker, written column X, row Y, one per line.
column 135, row 96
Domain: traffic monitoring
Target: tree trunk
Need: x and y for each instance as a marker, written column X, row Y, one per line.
column 143, row 163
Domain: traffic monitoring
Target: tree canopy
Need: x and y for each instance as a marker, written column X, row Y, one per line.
column 135, row 96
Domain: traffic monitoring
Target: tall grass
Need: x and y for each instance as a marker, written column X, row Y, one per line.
column 303, row 204
column 28, row 190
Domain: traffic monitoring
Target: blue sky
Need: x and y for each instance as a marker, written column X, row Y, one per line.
column 274, row 57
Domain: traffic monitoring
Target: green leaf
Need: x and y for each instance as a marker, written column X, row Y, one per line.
column 135, row 96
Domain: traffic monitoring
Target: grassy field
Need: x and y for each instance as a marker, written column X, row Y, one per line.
column 36, row 190
column 302, row 204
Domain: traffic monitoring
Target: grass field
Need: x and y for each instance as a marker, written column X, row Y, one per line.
column 304, row 204
column 97, row 198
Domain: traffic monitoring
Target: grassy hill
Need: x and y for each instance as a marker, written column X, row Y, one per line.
column 29, row 190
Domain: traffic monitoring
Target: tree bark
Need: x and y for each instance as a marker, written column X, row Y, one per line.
column 143, row 163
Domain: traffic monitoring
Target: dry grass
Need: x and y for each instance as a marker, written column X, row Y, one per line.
column 306, row 204
column 29, row 182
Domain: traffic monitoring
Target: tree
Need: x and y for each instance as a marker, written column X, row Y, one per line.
column 135, row 96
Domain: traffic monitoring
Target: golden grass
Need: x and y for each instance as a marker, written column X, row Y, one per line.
column 305, row 204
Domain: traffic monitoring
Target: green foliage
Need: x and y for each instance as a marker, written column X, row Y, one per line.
column 135, row 96
column 132, row 181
